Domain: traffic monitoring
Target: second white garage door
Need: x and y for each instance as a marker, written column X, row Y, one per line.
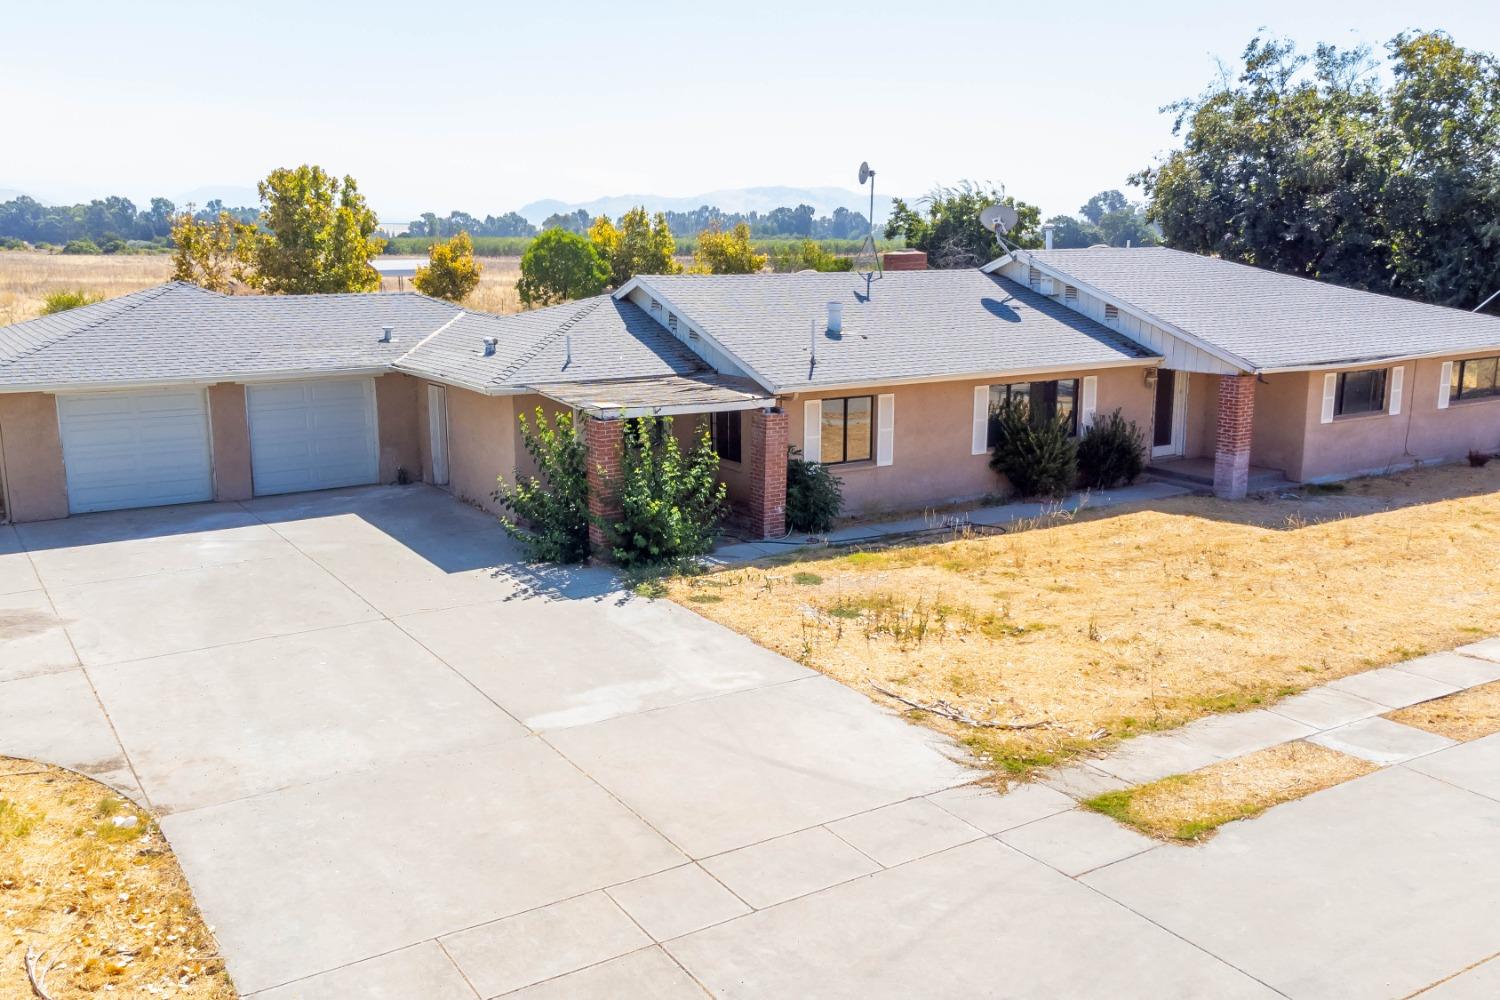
column 313, row 435
column 135, row 449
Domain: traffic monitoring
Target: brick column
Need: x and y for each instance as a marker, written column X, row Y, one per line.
column 767, row 467
column 603, row 440
column 1232, row 439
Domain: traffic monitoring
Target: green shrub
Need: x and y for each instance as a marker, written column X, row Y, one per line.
column 81, row 246
column 1112, row 451
column 551, row 509
column 56, row 302
column 1037, row 456
column 671, row 503
column 814, row 495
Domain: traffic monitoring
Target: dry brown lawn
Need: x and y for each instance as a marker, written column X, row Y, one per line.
column 27, row 277
column 1465, row 716
column 1126, row 620
column 104, row 900
column 1192, row 806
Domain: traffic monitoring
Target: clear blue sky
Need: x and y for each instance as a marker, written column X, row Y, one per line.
column 486, row 106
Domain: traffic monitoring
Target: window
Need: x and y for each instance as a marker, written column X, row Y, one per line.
column 726, row 435
column 1475, row 378
column 847, row 427
column 1360, row 392
column 1043, row 401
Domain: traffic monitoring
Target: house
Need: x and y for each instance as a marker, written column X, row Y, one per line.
column 175, row 394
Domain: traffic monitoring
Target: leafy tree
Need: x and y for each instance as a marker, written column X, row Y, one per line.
column 731, row 252
column 574, row 222
column 213, row 255
column 550, row 510
column 671, row 503
column 1036, row 455
column 451, row 272
column 56, row 302
column 1309, row 165
column 322, row 234
column 1071, row 233
column 948, row 228
column 81, row 247
column 1127, row 227
column 808, row 255
column 1102, row 204
column 638, row 244
column 560, row 265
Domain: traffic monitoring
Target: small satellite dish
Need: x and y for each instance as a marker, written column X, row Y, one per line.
column 865, row 173
column 999, row 219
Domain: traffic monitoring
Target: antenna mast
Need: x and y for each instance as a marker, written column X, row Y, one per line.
column 867, row 260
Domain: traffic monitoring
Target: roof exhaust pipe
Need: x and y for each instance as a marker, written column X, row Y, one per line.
column 490, row 343
column 835, row 317
column 385, row 335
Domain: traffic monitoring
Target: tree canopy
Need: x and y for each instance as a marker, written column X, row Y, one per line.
column 214, row 254
column 1109, row 218
column 1310, row 165
column 320, row 234
column 560, row 265
column 731, row 252
column 451, row 272
column 637, row 244
column 946, row 225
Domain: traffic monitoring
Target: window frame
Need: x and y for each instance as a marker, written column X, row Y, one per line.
column 1379, row 404
column 1073, row 416
column 731, row 439
column 1456, row 392
column 844, row 444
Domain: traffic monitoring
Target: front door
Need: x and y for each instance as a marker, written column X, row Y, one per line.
column 1170, row 425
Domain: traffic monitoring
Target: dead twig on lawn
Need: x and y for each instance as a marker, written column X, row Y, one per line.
column 948, row 711
column 36, row 971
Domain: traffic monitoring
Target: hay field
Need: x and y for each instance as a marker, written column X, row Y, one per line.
column 27, row 277
column 1127, row 620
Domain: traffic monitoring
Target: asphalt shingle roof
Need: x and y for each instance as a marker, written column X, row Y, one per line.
column 912, row 324
column 178, row 332
column 1272, row 320
column 590, row 340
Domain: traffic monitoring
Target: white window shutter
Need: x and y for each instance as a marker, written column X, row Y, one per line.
column 1330, row 393
column 1089, row 403
column 812, row 430
column 1398, row 378
column 981, row 441
column 885, row 428
column 1445, row 384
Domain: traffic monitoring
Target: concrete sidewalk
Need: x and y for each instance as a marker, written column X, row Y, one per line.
column 395, row 762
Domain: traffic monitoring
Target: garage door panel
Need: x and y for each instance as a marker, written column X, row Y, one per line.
column 313, row 435
column 141, row 449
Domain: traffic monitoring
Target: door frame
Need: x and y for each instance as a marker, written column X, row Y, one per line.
column 437, row 433
column 1178, row 445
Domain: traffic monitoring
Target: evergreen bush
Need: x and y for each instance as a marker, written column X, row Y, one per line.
column 1038, row 456
column 1112, row 452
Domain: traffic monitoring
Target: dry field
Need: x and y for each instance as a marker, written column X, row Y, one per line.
column 89, row 883
column 1468, row 715
column 26, row 278
column 1127, row 620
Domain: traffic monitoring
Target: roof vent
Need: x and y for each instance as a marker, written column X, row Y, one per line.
column 385, row 335
column 835, row 317
column 490, row 343
column 1045, row 286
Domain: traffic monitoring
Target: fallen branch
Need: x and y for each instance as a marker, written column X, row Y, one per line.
column 36, row 972
column 948, row 711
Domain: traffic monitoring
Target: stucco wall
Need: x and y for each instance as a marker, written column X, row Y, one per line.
column 1202, row 414
column 1281, row 415
column 931, row 461
column 231, row 441
column 396, row 416
column 31, row 450
column 481, row 444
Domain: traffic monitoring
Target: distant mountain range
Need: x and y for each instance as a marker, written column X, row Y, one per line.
column 750, row 199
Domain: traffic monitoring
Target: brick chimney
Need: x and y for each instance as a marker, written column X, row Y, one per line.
column 904, row 260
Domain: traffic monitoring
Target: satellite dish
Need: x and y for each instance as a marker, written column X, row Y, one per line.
column 865, row 173
column 999, row 219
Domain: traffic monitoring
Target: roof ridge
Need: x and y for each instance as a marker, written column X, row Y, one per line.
column 551, row 338
column 145, row 295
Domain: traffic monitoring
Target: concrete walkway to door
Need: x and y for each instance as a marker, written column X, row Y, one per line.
column 397, row 763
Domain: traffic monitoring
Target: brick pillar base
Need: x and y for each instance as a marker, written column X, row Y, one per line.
column 603, row 440
column 767, row 467
column 1232, row 439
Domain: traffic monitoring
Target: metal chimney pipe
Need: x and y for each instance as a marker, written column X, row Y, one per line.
column 1047, row 234
column 835, row 317
column 385, row 335
column 489, row 346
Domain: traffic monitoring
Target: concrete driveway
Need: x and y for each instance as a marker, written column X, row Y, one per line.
column 396, row 763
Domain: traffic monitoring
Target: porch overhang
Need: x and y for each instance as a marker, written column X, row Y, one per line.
column 659, row 395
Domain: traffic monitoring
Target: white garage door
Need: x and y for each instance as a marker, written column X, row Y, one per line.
column 135, row 449
column 313, row 435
